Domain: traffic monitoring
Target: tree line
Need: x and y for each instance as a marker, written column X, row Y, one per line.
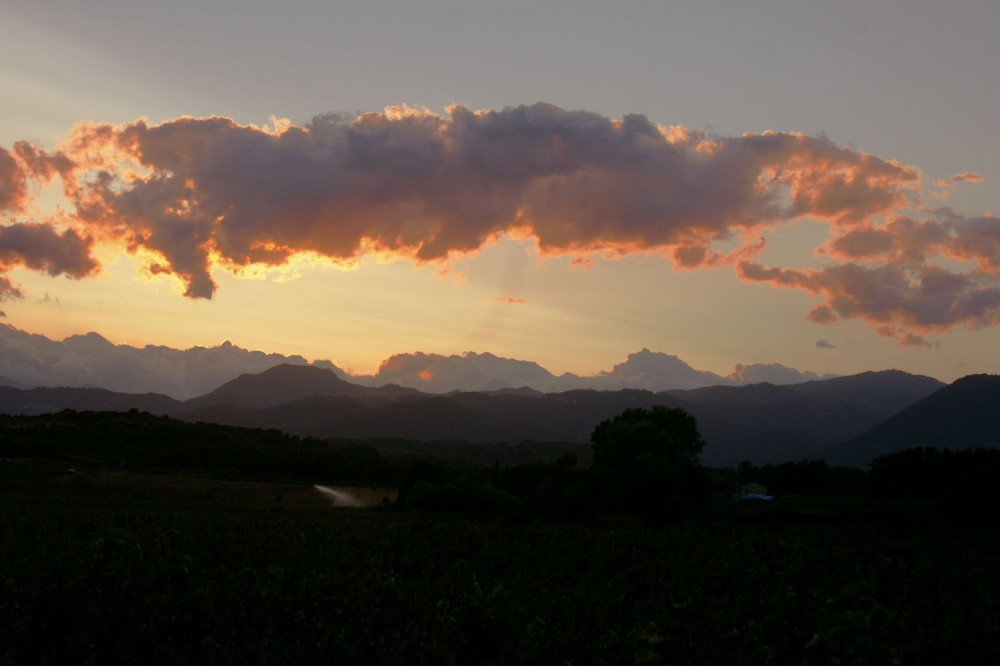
column 645, row 463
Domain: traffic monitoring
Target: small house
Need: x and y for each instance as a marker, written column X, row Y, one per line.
column 752, row 490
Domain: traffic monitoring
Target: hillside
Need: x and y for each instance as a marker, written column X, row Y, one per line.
column 961, row 415
column 287, row 383
column 761, row 423
column 44, row 400
column 767, row 423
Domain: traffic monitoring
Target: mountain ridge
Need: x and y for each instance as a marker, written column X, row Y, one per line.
column 89, row 359
column 961, row 415
column 760, row 422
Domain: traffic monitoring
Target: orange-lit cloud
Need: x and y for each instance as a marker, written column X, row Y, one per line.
column 967, row 177
column 34, row 245
column 205, row 193
column 40, row 247
column 901, row 300
column 509, row 300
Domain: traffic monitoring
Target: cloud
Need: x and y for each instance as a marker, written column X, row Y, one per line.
column 823, row 344
column 775, row 373
column 34, row 245
column 28, row 163
column 899, row 299
column 468, row 372
column 91, row 360
column 967, row 177
column 12, row 182
column 201, row 192
column 9, row 292
column 194, row 195
column 41, row 247
column 509, row 300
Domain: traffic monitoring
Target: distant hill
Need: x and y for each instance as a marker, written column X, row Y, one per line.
column 761, row 422
column 882, row 393
column 13, row 383
column 44, row 400
column 964, row 414
column 766, row 423
column 287, row 383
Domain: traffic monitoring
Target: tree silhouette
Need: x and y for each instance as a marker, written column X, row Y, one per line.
column 640, row 436
column 646, row 461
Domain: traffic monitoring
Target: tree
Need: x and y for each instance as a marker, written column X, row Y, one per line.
column 646, row 461
column 640, row 436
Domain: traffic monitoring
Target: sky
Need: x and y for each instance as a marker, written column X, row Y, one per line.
column 804, row 183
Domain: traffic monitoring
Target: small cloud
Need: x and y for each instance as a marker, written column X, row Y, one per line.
column 510, row 300
column 3, row 314
column 967, row 177
column 822, row 314
column 9, row 292
column 823, row 344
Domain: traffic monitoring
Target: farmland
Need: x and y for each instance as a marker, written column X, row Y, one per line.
column 128, row 538
column 165, row 570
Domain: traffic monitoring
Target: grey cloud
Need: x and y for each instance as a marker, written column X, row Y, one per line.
column 774, row 373
column 427, row 186
column 896, row 297
column 12, row 182
column 91, row 360
column 9, row 292
column 41, row 247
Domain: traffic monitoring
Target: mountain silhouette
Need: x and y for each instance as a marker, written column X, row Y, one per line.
column 287, row 383
column 44, row 400
column 13, row 383
column 882, row 393
column 761, row 423
column 962, row 415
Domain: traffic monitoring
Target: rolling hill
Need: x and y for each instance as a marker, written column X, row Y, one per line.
column 762, row 423
column 964, row 414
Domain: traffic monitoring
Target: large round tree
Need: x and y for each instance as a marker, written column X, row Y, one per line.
column 646, row 460
column 641, row 436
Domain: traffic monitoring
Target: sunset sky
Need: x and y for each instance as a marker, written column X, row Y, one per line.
column 805, row 183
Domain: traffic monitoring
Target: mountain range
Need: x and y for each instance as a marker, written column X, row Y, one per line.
column 31, row 360
column 847, row 420
column 963, row 415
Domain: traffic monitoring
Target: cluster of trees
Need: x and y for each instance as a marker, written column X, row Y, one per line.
column 139, row 441
column 645, row 463
column 963, row 483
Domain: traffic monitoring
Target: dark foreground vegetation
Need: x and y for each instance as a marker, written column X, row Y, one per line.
column 142, row 547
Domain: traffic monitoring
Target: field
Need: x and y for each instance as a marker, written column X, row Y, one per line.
column 143, row 568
